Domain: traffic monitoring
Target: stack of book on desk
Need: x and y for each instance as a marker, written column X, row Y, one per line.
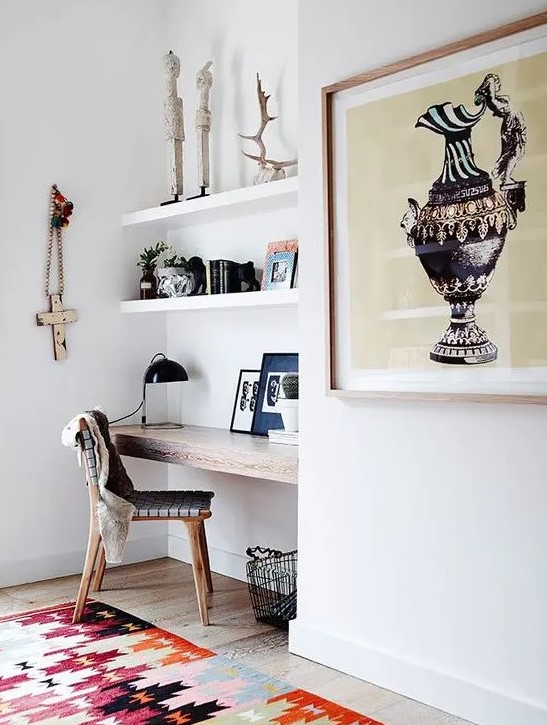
column 287, row 437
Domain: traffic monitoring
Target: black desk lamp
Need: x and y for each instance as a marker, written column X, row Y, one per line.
column 161, row 370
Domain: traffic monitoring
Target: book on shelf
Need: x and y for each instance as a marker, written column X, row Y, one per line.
column 287, row 437
column 221, row 276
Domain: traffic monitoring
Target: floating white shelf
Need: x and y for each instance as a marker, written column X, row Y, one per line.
column 259, row 199
column 266, row 298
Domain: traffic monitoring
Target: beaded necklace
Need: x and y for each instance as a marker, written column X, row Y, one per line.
column 60, row 209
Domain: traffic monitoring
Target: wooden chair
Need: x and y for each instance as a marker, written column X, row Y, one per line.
column 191, row 507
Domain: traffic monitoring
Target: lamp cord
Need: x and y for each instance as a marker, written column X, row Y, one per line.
column 158, row 354
column 111, row 422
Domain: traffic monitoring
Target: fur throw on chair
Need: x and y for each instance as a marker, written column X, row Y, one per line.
column 113, row 511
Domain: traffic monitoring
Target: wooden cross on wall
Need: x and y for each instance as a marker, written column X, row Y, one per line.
column 57, row 318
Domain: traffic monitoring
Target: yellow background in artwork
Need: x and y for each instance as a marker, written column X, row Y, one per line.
column 390, row 160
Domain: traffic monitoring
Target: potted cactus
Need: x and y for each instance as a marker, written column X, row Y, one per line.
column 287, row 402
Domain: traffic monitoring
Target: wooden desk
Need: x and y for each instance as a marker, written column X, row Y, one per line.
column 212, row 449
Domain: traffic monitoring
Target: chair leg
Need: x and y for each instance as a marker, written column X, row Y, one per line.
column 205, row 555
column 198, row 569
column 99, row 571
column 92, row 548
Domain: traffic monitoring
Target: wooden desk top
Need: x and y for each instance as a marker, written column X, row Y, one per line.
column 212, row 449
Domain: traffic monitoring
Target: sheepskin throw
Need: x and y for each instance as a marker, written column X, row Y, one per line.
column 113, row 511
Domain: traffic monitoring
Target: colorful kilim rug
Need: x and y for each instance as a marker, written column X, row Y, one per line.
column 115, row 669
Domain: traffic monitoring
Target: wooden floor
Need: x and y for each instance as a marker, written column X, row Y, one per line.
column 162, row 592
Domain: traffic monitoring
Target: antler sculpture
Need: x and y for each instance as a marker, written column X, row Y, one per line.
column 269, row 170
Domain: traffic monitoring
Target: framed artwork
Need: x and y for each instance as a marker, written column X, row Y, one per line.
column 245, row 401
column 274, row 366
column 435, row 171
column 280, row 265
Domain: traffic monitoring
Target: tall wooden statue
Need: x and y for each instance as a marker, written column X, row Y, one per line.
column 174, row 126
column 204, row 82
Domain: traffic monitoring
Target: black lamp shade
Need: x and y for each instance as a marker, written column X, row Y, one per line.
column 165, row 371
column 161, row 370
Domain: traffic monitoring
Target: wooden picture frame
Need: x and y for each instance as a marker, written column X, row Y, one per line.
column 362, row 357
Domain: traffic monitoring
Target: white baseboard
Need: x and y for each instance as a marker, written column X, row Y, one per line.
column 51, row 567
column 222, row 562
column 465, row 699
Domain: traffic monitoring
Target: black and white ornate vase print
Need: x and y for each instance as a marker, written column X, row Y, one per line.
column 459, row 234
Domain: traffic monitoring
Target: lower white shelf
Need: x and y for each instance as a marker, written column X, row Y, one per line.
column 264, row 298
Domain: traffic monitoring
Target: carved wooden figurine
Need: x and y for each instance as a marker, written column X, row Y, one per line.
column 174, row 125
column 268, row 169
column 204, row 81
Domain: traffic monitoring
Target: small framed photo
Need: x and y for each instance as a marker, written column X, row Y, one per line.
column 245, row 401
column 266, row 414
column 281, row 265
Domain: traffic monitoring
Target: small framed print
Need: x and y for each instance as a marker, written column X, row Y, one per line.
column 281, row 265
column 245, row 401
column 279, row 272
column 266, row 414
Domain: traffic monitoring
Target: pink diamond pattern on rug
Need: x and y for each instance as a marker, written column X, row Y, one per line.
column 116, row 669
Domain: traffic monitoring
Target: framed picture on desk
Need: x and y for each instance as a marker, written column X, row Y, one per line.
column 274, row 366
column 245, row 401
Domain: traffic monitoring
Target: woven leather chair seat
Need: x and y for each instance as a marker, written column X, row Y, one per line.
column 170, row 503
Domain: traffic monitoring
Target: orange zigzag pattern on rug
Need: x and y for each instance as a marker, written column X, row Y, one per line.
column 309, row 708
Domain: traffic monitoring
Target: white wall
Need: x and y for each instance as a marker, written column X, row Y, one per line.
column 82, row 88
column 85, row 88
column 242, row 39
column 214, row 345
column 433, row 580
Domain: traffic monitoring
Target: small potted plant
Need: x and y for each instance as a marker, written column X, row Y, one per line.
column 148, row 262
column 174, row 278
column 179, row 277
column 288, row 401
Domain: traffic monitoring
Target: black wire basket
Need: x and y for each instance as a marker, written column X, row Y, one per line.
column 271, row 576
